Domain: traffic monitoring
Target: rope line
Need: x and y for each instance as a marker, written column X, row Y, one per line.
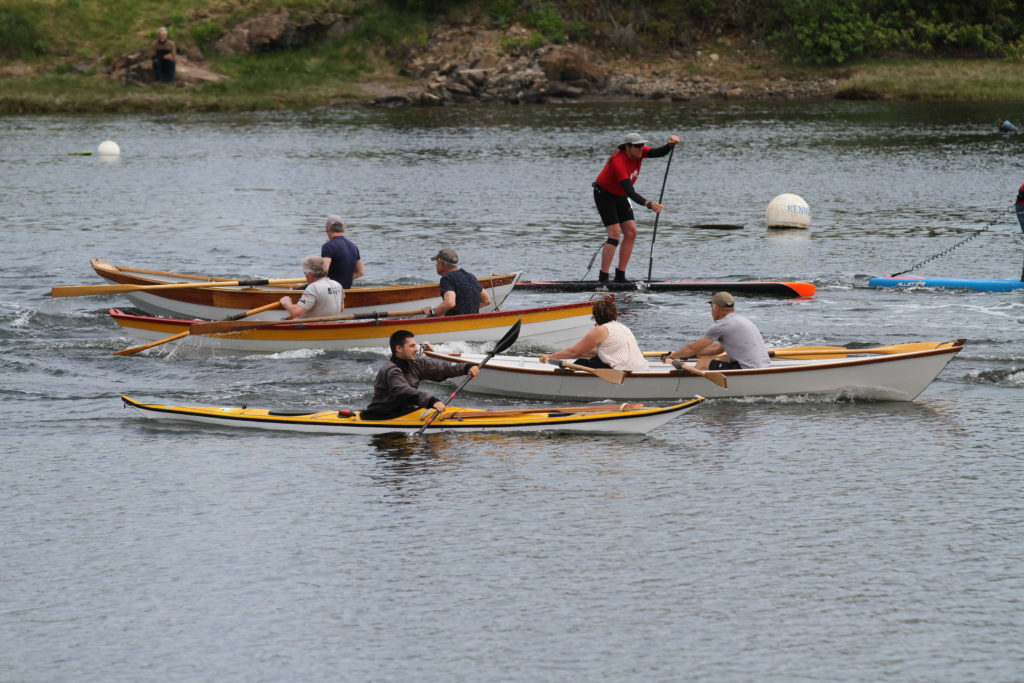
column 949, row 250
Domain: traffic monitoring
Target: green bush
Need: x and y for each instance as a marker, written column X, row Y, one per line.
column 19, row 32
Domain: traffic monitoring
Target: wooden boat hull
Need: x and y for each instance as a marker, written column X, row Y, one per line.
column 546, row 327
column 217, row 303
column 612, row 421
column 764, row 288
column 889, row 377
column 979, row 285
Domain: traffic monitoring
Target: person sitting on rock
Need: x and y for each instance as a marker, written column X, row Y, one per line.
column 162, row 53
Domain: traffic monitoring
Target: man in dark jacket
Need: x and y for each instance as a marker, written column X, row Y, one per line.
column 396, row 387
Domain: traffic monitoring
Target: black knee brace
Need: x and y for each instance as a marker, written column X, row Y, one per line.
column 613, row 242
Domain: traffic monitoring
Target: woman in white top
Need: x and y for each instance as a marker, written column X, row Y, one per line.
column 610, row 344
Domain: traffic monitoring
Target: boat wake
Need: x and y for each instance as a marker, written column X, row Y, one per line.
column 1014, row 377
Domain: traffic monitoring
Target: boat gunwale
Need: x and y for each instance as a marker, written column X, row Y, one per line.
column 954, row 347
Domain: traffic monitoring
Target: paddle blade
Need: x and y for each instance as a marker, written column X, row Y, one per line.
column 509, row 339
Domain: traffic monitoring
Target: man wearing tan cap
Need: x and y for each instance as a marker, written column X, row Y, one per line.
column 731, row 334
column 461, row 292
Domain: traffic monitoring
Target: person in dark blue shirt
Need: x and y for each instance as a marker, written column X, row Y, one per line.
column 344, row 263
column 461, row 292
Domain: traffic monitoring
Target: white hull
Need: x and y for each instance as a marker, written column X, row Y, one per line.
column 552, row 333
column 893, row 377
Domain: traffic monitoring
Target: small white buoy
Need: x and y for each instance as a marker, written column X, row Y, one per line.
column 788, row 211
column 109, row 148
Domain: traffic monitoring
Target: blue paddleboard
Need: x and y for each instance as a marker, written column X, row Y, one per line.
column 949, row 282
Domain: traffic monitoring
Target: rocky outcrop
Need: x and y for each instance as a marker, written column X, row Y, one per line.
column 280, row 31
column 468, row 65
column 137, row 68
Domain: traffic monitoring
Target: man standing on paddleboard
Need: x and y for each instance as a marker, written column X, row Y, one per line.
column 732, row 334
column 344, row 263
column 612, row 191
column 1020, row 207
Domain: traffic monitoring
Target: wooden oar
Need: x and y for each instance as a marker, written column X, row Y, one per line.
column 91, row 290
column 508, row 340
column 838, row 351
column 810, row 352
column 242, row 325
column 607, row 374
column 456, row 414
column 716, row 377
column 135, row 349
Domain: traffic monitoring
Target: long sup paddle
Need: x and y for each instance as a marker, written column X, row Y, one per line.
column 508, row 340
column 607, row 374
column 135, row 349
column 654, row 235
column 91, row 290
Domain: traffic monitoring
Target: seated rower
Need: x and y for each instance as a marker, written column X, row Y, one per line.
column 609, row 344
column 732, row 334
column 322, row 297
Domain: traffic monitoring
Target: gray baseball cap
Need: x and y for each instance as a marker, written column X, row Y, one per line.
column 632, row 139
column 335, row 220
column 448, row 255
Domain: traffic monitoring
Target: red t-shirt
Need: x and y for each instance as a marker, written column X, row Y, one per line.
column 618, row 168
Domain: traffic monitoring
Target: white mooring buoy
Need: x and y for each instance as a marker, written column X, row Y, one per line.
column 109, row 148
column 788, row 211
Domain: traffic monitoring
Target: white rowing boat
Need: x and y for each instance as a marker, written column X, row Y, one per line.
column 610, row 419
column 893, row 376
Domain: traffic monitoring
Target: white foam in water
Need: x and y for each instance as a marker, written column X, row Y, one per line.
column 294, row 353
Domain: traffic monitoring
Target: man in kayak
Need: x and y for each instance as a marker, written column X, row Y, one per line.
column 396, row 387
column 732, row 334
column 609, row 344
column 461, row 292
column 322, row 297
column 344, row 263
column 612, row 191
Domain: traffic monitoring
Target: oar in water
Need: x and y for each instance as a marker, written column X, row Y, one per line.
column 607, row 374
column 716, row 377
column 92, row 290
column 222, row 326
column 135, row 349
column 508, row 340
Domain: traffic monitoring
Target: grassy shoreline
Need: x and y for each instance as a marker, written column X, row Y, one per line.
column 283, row 86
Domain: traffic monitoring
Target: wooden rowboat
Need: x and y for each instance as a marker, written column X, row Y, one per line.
column 892, row 376
column 545, row 327
column 610, row 419
column 215, row 303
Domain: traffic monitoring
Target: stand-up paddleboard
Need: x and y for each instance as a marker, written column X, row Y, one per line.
column 980, row 285
column 765, row 287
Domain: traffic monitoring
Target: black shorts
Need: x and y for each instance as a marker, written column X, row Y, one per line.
column 716, row 364
column 613, row 209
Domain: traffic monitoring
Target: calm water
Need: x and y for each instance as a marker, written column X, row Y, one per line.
column 751, row 540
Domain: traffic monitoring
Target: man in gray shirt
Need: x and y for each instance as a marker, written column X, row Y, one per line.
column 732, row 334
column 322, row 297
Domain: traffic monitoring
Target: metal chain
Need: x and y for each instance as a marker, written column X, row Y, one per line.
column 946, row 252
